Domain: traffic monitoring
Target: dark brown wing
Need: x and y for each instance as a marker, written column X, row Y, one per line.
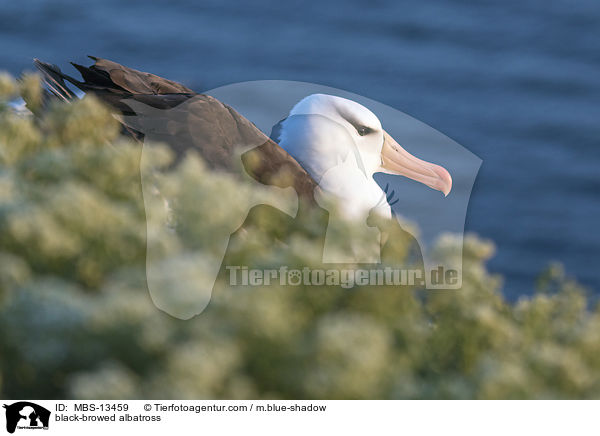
column 106, row 73
column 172, row 113
column 112, row 83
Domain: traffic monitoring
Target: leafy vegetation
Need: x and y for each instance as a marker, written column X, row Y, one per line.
column 77, row 321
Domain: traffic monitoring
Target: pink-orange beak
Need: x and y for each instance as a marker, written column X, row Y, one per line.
column 396, row 160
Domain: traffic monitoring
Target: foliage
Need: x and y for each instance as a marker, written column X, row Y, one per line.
column 77, row 320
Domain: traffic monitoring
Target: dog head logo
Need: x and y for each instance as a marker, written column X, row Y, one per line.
column 26, row 415
column 336, row 137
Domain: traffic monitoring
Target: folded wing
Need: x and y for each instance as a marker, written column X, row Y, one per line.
column 174, row 114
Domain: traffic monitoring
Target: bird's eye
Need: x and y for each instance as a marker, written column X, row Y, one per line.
column 362, row 130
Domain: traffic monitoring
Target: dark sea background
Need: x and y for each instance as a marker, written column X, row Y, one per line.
column 515, row 82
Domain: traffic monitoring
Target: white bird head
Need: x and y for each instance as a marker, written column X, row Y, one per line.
column 322, row 130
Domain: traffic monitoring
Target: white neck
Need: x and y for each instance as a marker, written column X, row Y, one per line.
column 327, row 152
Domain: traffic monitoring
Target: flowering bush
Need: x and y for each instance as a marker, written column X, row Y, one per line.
column 77, row 320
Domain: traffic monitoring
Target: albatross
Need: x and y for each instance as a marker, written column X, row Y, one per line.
column 327, row 141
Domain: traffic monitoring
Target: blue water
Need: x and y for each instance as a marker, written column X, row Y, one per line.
column 515, row 82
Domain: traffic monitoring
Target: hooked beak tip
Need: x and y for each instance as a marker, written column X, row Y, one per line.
column 445, row 179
